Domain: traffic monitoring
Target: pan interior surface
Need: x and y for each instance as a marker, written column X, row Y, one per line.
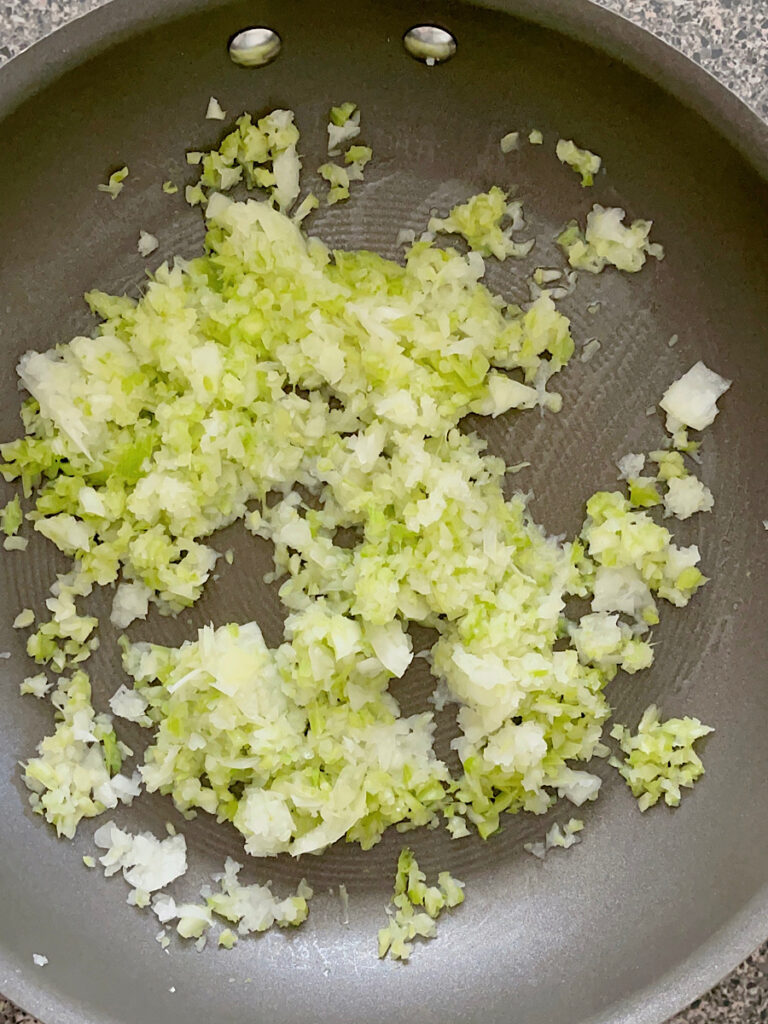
column 609, row 931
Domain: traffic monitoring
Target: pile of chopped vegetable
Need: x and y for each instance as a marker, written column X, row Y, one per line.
column 660, row 757
column 310, row 393
column 416, row 906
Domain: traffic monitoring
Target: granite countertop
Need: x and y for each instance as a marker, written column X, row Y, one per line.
column 730, row 39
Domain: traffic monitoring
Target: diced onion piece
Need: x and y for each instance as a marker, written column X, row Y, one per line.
column 147, row 243
column 214, row 111
column 692, row 399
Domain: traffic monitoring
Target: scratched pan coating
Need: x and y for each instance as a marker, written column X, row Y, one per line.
column 649, row 910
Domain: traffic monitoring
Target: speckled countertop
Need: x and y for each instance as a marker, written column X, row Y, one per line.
column 730, row 39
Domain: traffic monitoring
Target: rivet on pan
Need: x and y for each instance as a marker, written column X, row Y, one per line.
column 429, row 43
column 254, row 47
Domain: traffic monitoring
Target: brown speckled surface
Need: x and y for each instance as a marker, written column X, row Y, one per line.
column 730, row 39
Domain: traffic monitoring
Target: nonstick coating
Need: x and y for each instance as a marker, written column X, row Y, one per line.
column 650, row 909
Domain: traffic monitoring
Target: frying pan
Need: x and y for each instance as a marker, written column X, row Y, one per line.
column 649, row 910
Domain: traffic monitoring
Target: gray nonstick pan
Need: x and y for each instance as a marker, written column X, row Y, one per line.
column 649, row 910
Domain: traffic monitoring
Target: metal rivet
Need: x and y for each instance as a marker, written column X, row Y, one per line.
column 254, row 47
column 429, row 43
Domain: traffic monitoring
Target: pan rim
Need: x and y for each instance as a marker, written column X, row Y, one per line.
column 586, row 21
column 603, row 30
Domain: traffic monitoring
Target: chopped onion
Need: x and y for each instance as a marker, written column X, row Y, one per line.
column 692, row 399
